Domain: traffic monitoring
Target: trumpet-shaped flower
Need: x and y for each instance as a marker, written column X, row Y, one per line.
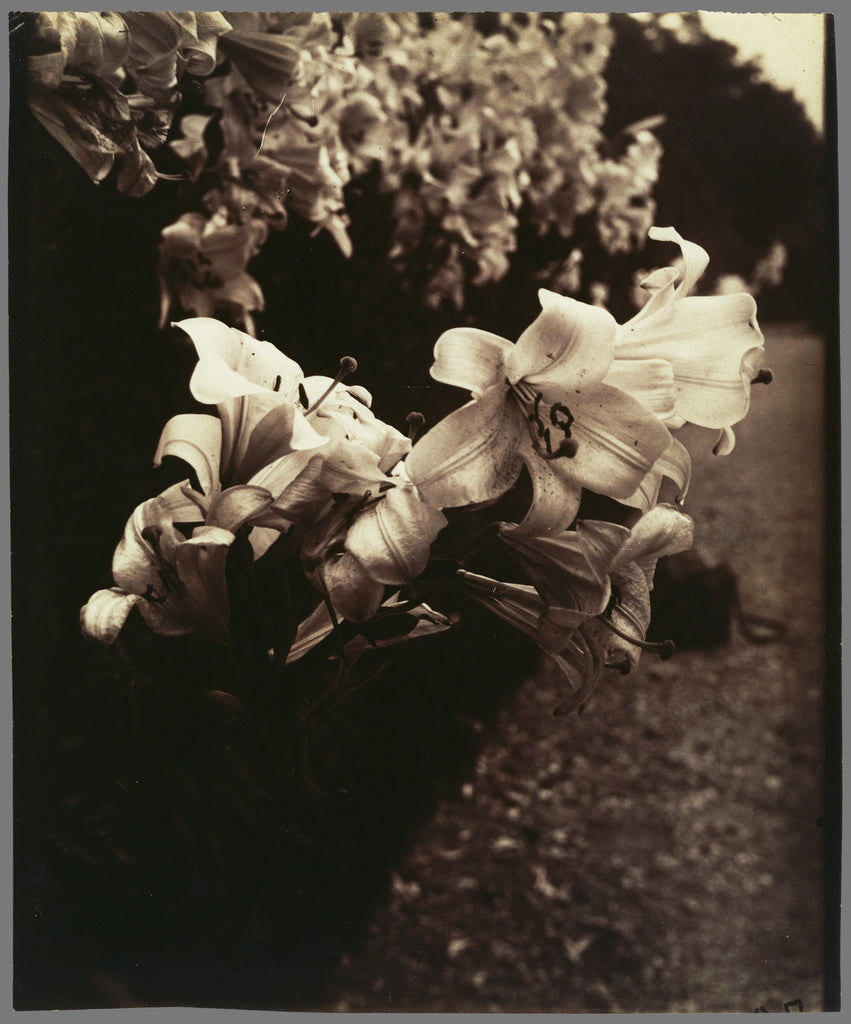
column 712, row 344
column 177, row 582
column 202, row 266
column 391, row 539
column 255, row 388
column 572, row 572
column 344, row 413
column 542, row 402
column 588, row 605
column 308, row 441
column 366, row 542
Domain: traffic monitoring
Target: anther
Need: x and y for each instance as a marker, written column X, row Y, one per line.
column 277, row 386
column 348, row 365
column 763, row 377
column 416, row 422
column 302, row 396
column 566, row 450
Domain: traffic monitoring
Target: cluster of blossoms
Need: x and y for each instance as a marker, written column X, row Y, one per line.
column 466, row 126
column 105, row 85
column 301, row 470
column 465, row 130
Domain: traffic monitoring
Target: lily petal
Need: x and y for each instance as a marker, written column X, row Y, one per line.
column 237, row 505
column 303, row 497
column 522, row 607
column 200, row 563
column 135, row 564
column 392, row 539
column 262, row 538
column 267, row 61
column 311, row 632
column 669, row 284
column 103, row 616
column 569, row 345
column 344, row 415
column 355, row 595
column 664, row 530
column 471, row 359
column 258, row 363
column 470, row 456
column 726, row 442
column 601, row 544
column 196, row 439
column 674, row 464
column 631, row 616
column 567, row 570
column 618, row 439
column 710, row 342
column 649, row 381
column 555, row 496
column 516, row 603
column 351, row 469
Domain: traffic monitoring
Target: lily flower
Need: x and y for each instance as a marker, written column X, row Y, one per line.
column 255, row 388
column 177, row 583
column 522, row 607
column 392, row 538
column 305, row 440
column 573, row 570
column 674, row 465
column 368, row 539
column 344, row 413
column 589, row 603
column 712, row 344
column 202, row 266
column 542, row 402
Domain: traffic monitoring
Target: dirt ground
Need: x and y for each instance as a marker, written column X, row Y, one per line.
column 664, row 851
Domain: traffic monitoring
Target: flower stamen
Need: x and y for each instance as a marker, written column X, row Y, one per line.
column 166, row 572
column 665, row 649
column 559, row 416
column 348, row 365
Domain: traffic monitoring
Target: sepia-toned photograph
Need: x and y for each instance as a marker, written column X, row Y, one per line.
column 424, row 494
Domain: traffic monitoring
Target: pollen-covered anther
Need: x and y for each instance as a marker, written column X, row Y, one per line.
column 764, row 376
